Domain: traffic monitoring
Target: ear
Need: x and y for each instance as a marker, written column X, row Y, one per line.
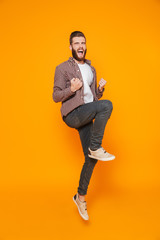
column 70, row 47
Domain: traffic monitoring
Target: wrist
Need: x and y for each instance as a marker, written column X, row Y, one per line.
column 100, row 89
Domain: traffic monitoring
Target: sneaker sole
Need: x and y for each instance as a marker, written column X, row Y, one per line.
column 102, row 159
column 79, row 210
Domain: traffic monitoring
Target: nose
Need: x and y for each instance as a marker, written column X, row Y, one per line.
column 81, row 45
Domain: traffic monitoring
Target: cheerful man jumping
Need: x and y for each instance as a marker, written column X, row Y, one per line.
column 75, row 85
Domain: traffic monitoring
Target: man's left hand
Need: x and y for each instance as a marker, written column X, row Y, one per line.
column 102, row 83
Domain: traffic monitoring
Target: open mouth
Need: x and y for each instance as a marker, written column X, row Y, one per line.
column 80, row 52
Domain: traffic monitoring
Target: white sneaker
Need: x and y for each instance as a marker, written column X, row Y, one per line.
column 100, row 154
column 82, row 207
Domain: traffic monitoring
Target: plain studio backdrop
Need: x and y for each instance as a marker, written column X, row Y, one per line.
column 41, row 157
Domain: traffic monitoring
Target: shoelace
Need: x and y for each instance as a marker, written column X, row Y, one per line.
column 85, row 206
column 104, row 150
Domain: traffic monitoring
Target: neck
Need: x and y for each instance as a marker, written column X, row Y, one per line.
column 79, row 62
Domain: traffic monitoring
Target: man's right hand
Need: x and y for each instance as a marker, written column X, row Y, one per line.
column 76, row 84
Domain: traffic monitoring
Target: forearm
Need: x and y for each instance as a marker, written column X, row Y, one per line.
column 60, row 95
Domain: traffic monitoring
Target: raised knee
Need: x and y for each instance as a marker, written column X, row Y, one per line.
column 108, row 105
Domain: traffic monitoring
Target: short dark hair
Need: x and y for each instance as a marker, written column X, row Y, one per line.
column 76, row 34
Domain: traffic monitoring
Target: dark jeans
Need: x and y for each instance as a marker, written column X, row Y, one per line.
column 91, row 133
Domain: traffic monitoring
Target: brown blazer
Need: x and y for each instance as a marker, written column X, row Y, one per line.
column 64, row 72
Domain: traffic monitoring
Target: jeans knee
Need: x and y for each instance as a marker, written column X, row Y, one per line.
column 108, row 105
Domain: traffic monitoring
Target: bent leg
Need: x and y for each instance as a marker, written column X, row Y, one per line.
column 100, row 111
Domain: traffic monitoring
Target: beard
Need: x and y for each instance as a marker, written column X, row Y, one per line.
column 74, row 54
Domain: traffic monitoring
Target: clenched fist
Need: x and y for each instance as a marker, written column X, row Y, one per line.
column 102, row 83
column 75, row 84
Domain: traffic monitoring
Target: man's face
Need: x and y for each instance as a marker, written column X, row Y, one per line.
column 78, row 48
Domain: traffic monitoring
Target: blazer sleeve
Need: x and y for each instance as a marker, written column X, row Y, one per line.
column 60, row 92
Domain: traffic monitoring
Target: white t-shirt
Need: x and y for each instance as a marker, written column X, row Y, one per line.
column 87, row 76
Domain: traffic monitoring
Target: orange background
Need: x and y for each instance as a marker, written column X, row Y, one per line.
column 41, row 157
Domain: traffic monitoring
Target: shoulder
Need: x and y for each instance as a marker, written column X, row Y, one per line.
column 89, row 63
column 93, row 68
column 62, row 68
column 62, row 65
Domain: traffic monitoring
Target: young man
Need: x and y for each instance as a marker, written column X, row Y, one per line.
column 75, row 85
